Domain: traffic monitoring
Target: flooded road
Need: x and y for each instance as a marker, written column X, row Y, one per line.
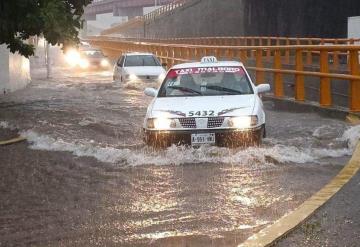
column 85, row 177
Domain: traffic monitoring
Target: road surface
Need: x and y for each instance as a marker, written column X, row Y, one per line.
column 85, row 177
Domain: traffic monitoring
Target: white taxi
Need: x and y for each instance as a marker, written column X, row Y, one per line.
column 206, row 103
column 138, row 67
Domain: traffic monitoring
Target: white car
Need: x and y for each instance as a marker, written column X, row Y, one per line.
column 207, row 102
column 138, row 67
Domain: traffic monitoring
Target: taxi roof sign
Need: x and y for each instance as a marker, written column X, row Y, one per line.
column 209, row 59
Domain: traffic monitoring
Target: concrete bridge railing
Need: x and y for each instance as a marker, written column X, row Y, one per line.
column 279, row 61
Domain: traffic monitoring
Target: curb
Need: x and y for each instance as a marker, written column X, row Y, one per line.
column 290, row 104
column 278, row 230
column 12, row 141
column 353, row 119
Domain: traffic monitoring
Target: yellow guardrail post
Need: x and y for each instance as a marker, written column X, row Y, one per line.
column 354, row 84
column 278, row 77
column 243, row 56
column 287, row 52
column 252, row 43
column 309, row 54
column 260, row 75
column 268, row 51
column 336, row 56
column 325, row 86
column 299, row 78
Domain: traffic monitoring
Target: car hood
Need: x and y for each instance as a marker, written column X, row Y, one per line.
column 145, row 70
column 234, row 105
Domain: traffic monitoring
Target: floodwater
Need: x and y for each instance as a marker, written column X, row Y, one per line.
column 85, row 178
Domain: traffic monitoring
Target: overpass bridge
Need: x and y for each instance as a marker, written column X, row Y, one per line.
column 130, row 8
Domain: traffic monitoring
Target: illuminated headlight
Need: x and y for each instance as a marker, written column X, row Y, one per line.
column 243, row 122
column 72, row 57
column 84, row 64
column 160, row 123
column 132, row 77
column 104, row 63
column 161, row 77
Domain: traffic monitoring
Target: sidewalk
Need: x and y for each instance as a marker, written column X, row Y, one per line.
column 335, row 224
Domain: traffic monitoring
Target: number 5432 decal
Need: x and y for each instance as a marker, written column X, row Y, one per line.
column 201, row 113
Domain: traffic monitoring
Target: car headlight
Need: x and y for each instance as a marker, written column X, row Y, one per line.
column 104, row 63
column 243, row 122
column 72, row 57
column 161, row 77
column 161, row 123
column 133, row 77
column 84, row 63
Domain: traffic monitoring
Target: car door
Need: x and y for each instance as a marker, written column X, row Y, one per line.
column 119, row 68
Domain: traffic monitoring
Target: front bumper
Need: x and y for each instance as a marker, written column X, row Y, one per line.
column 141, row 80
column 223, row 137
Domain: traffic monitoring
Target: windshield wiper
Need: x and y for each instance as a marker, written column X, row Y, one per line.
column 185, row 89
column 224, row 89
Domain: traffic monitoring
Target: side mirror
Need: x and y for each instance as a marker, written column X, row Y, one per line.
column 164, row 64
column 150, row 92
column 263, row 88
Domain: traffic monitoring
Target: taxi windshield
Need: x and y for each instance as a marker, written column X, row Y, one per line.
column 206, row 81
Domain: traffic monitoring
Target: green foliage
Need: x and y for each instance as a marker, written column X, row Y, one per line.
column 58, row 20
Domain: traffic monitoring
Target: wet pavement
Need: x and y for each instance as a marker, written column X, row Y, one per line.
column 85, row 177
column 337, row 223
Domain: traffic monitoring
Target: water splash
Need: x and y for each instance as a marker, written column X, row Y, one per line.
column 268, row 154
column 4, row 125
column 352, row 136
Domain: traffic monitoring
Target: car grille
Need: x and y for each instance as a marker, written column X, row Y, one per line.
column 147, row 77
column 188, row 123
column 215, row 122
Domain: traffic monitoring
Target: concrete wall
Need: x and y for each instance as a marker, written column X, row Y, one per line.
column 354, row 27
column 292, row 18
column 200, row 18
column 14, row 71
column 305, row 18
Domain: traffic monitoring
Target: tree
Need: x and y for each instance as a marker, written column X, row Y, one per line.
column 58, row 20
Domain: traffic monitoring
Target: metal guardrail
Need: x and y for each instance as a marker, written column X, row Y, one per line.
column 276, row 56
column 139, row 21
column 164, row 9
column 250, row 41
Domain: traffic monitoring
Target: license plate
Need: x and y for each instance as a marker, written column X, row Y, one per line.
column 198, row 139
